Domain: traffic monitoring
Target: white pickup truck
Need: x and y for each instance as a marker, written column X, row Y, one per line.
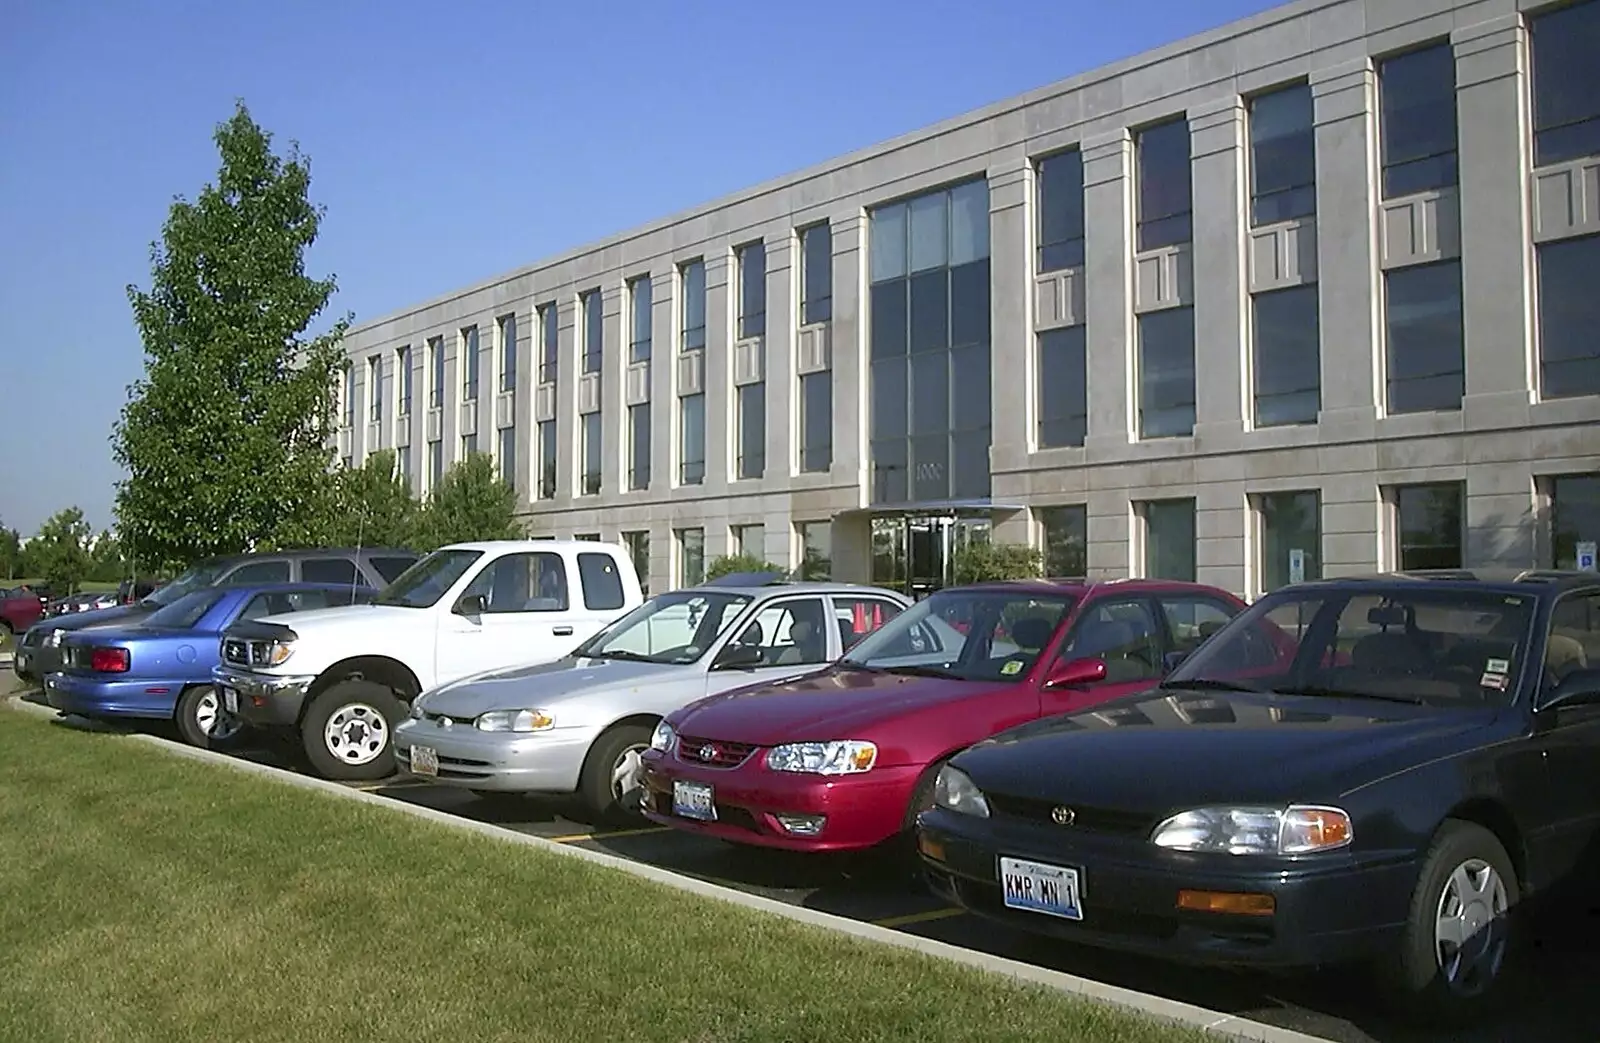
column 342, row 677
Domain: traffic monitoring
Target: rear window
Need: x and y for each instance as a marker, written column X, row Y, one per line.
column 186, row 611
column 390, row 569
column 259, row 572
column 329, row 570
column 602, row 582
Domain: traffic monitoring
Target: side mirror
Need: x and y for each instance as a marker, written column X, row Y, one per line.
column 738, row 657
column 472, row 605
column 1075, row 673
column 1170, row 661
column 1579, row 688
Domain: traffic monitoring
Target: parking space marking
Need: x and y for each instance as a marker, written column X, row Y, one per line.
column 922, row 917
column 575, row 838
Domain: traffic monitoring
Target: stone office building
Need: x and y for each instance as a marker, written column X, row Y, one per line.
column 1314, row 293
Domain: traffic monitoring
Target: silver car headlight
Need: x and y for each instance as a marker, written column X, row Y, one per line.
column 840, row 757
column 1298, row 829
column 664, row 737
column 514, row 721
column 954, row 790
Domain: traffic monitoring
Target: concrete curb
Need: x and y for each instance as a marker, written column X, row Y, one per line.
column 1227, row 1025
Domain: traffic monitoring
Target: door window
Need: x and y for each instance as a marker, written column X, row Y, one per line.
column 524, row 582
column 259, row 572
column 1124, row 634
column 1190, row 620
column 282, row 603
column 858, row 617
column 389, row 569
column 789, row 633
column 602, row 582
column 1574, row 642
column 328, row 570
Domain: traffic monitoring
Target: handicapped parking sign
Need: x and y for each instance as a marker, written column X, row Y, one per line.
column 1586, row 561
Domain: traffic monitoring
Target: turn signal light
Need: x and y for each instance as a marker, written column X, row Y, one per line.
column 109, row 660
column 1228, row 903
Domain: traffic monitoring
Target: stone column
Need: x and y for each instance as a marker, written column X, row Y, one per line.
column 718, row 381
column 568, row 371
column 1012, row 408
column 663, row 387
column 1108, row 296
column 849, row 347
column 1217, row 145
column 782, row 384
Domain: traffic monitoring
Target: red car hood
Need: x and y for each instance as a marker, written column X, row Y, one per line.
column 835, row 704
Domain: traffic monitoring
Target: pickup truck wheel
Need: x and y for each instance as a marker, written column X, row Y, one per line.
column 347, row 731
column 612, row 783
column 202, row 721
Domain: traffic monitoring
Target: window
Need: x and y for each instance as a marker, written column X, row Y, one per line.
column 1190, row 620
column 816, row 421
column 638, row 544
column 602, row 582
column 692, row 277
column 930, row 411
column 691, row 557
column 1291, row 538
column 429, row 579
column 970, row 633
column 752, row 290
column 816, row 274
column 375, row 388
column 1569, row 313
column 547, row 459
column 508, row 352
column 1574, row 518
column 523, row 582
column 639, row 446
column 1123, row 634
column 550, row 349
column 857, row 617
column 1283, row 156
column 1165, row 202
column 1566, row 83
column 1066, row 540
column 469, row 445
column 692, row 439
column 752, row 454
column 402, row 372
column 1574, row 642
column 1063, row 387
column 1425, row 353
column 402, row 465
column 1288, row 357
column 328, row 570
column 593, row 331
column 592, row 454
column 1169, row 540
column 678, row 627
column 435, row 463
column 469, row 363
column 185, row 612
column 347, row 374
column 276, row 571
column 816, row 550
column 1429, row 526
column 508, row 456
column 792, row 632
column 750, row 540
column 390, row 569
column 436, row 368
column 1061, row 211
column 1417, row 120
column 640, row 301
column 1166, row 373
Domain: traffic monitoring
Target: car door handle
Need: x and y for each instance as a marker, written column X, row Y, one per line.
column 561, row 631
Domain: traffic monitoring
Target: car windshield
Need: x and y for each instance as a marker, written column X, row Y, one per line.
column 184, row 612
column 199, row 577
column 675, row 628
column 424, row 583
column 971, row 634
column 1425, row 644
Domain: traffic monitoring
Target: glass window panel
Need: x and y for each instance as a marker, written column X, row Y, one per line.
column 592, row 454
column 816, row 286
column 693, row 277
column 1169, row 551
column 930, row 311
column 1566, row 83
column 969, row 222
column 1425, row 353
column 1569, row 315
column 593, row 332
column 1060, row 189
column 402, row 365
column 972, row 408
column 929, row 217
column 1417, row 99
column 639, row 446
column 470, row 361
column 1164, row 199
column 1063, row 387
column 930, row 467
column 1291, row 529
column 930, row 394
column 508, row 456
column 642, row 298
column 752, row 457
column 889, row 407
column 887, row 242
column 1282, row 155
column 969, row 304
column 1574, row 516
column 969, row 464
column 550, row 327
column 436, row 363
column 753, row 290
column 1288, row 366
column 508, row 353
column 692, row 435
column 889, row 478
column 547, row 459
column 691, row 557
column 1430, row 526
column 889, row 318
column 816, row 421
column 1066, row 540
column 816, row 551
column 1166, row 373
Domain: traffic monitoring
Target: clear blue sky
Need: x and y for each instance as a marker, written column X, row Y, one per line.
column 449, row 142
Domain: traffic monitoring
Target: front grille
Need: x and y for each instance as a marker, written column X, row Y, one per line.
column 714, row 753
column 1089, row 820
column 236, row 651
column 436, row 717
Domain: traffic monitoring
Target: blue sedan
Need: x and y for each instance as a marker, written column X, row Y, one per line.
column 160, row 666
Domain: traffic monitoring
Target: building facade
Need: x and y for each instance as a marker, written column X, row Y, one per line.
column 1310, row 294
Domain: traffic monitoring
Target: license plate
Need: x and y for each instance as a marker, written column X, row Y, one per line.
column 1038, row 888
column 230, row 700
column 424, row 760
column 693, row 800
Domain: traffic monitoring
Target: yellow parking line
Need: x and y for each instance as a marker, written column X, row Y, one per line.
column 578, row 837
column 923, row 917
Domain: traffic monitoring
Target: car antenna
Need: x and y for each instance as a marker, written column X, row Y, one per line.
column 355, row 573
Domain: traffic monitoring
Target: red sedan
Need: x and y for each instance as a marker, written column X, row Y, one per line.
column 843, row 759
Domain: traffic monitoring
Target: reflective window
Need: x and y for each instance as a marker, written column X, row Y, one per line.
column 1283, row 156
column 390, row 569
column 677, row 627
column 816, row 274
column 1569, row 314
column 639, row 446
column 276, row 571
column 469, row 445
column 638, row 544
column 1192, row 619
column 1425, row 352
column 402, row 465
column 347, row 377
column 402, row 370
column 329, row 570
column 1166, row 373
column 692, row 439
column 816, row 421
column 792, row 632
column 856, row 617
column 547, row 459
column 751, row 458
column 1429, row 530
column 1574, row 517
column 691, row 556
column 1169, row 540
column 602, row 582
column 508, row 352
column 1288, row 357
column 1123, row 634
column 1063, row 387
column 1066, row 540
column 1291, row 538
column 425, row 582
column 590, row 439
column 1165, row 200
column 550, row 348
column 1566, row 83
column 508, row 456
column 435, row 463
column 641, row 323
column 692, row 279
column 752, row 290
column 966, row 633
column 816, row 550
column 1417, row 120
column 593, row 331
column 750, row 540
column 185, row 612
column 283, row 603
column 375, row 387
column 1574, row 642
column 1060, row 182
column 471, row 358
column 522, row 582
column 436, row 367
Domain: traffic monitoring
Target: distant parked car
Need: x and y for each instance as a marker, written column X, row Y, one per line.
column 580, row 723
column 20, row 608
column 159, row 666
column 369, row 566
column 845, row 758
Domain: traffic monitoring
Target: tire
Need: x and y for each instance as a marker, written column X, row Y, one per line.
column 1418, row 981
column 348, row 731
column 202, row 721
column 599, row 790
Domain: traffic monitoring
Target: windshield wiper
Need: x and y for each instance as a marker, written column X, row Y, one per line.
column 1211, row 684
column 850, row 664
column 622, row 655
column 923, row 671
column 1317, row 691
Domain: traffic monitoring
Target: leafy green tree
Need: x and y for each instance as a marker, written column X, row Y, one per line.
column 106, row 561
column 374, row 506
column 225, row 438
column 470, row 502
column 982, row 561
column 728, row 564
column 60, row 551
column 10, row 552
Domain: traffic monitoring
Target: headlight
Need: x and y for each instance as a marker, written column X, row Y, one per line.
column 1295, row 830
column 416, row 708
column 664, row 737
column 514, row 721
column 841, row 757
column 954, row 790
column 276, row 652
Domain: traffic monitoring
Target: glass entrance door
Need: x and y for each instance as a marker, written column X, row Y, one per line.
column 928, row 541
column 915, row 553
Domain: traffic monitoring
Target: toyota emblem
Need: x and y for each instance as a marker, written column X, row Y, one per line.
column 1063, row 816
column 708, row 752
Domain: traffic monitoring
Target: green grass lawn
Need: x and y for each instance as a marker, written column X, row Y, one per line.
column 147, row 897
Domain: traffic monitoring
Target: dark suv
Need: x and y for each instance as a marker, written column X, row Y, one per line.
column 37, row 652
